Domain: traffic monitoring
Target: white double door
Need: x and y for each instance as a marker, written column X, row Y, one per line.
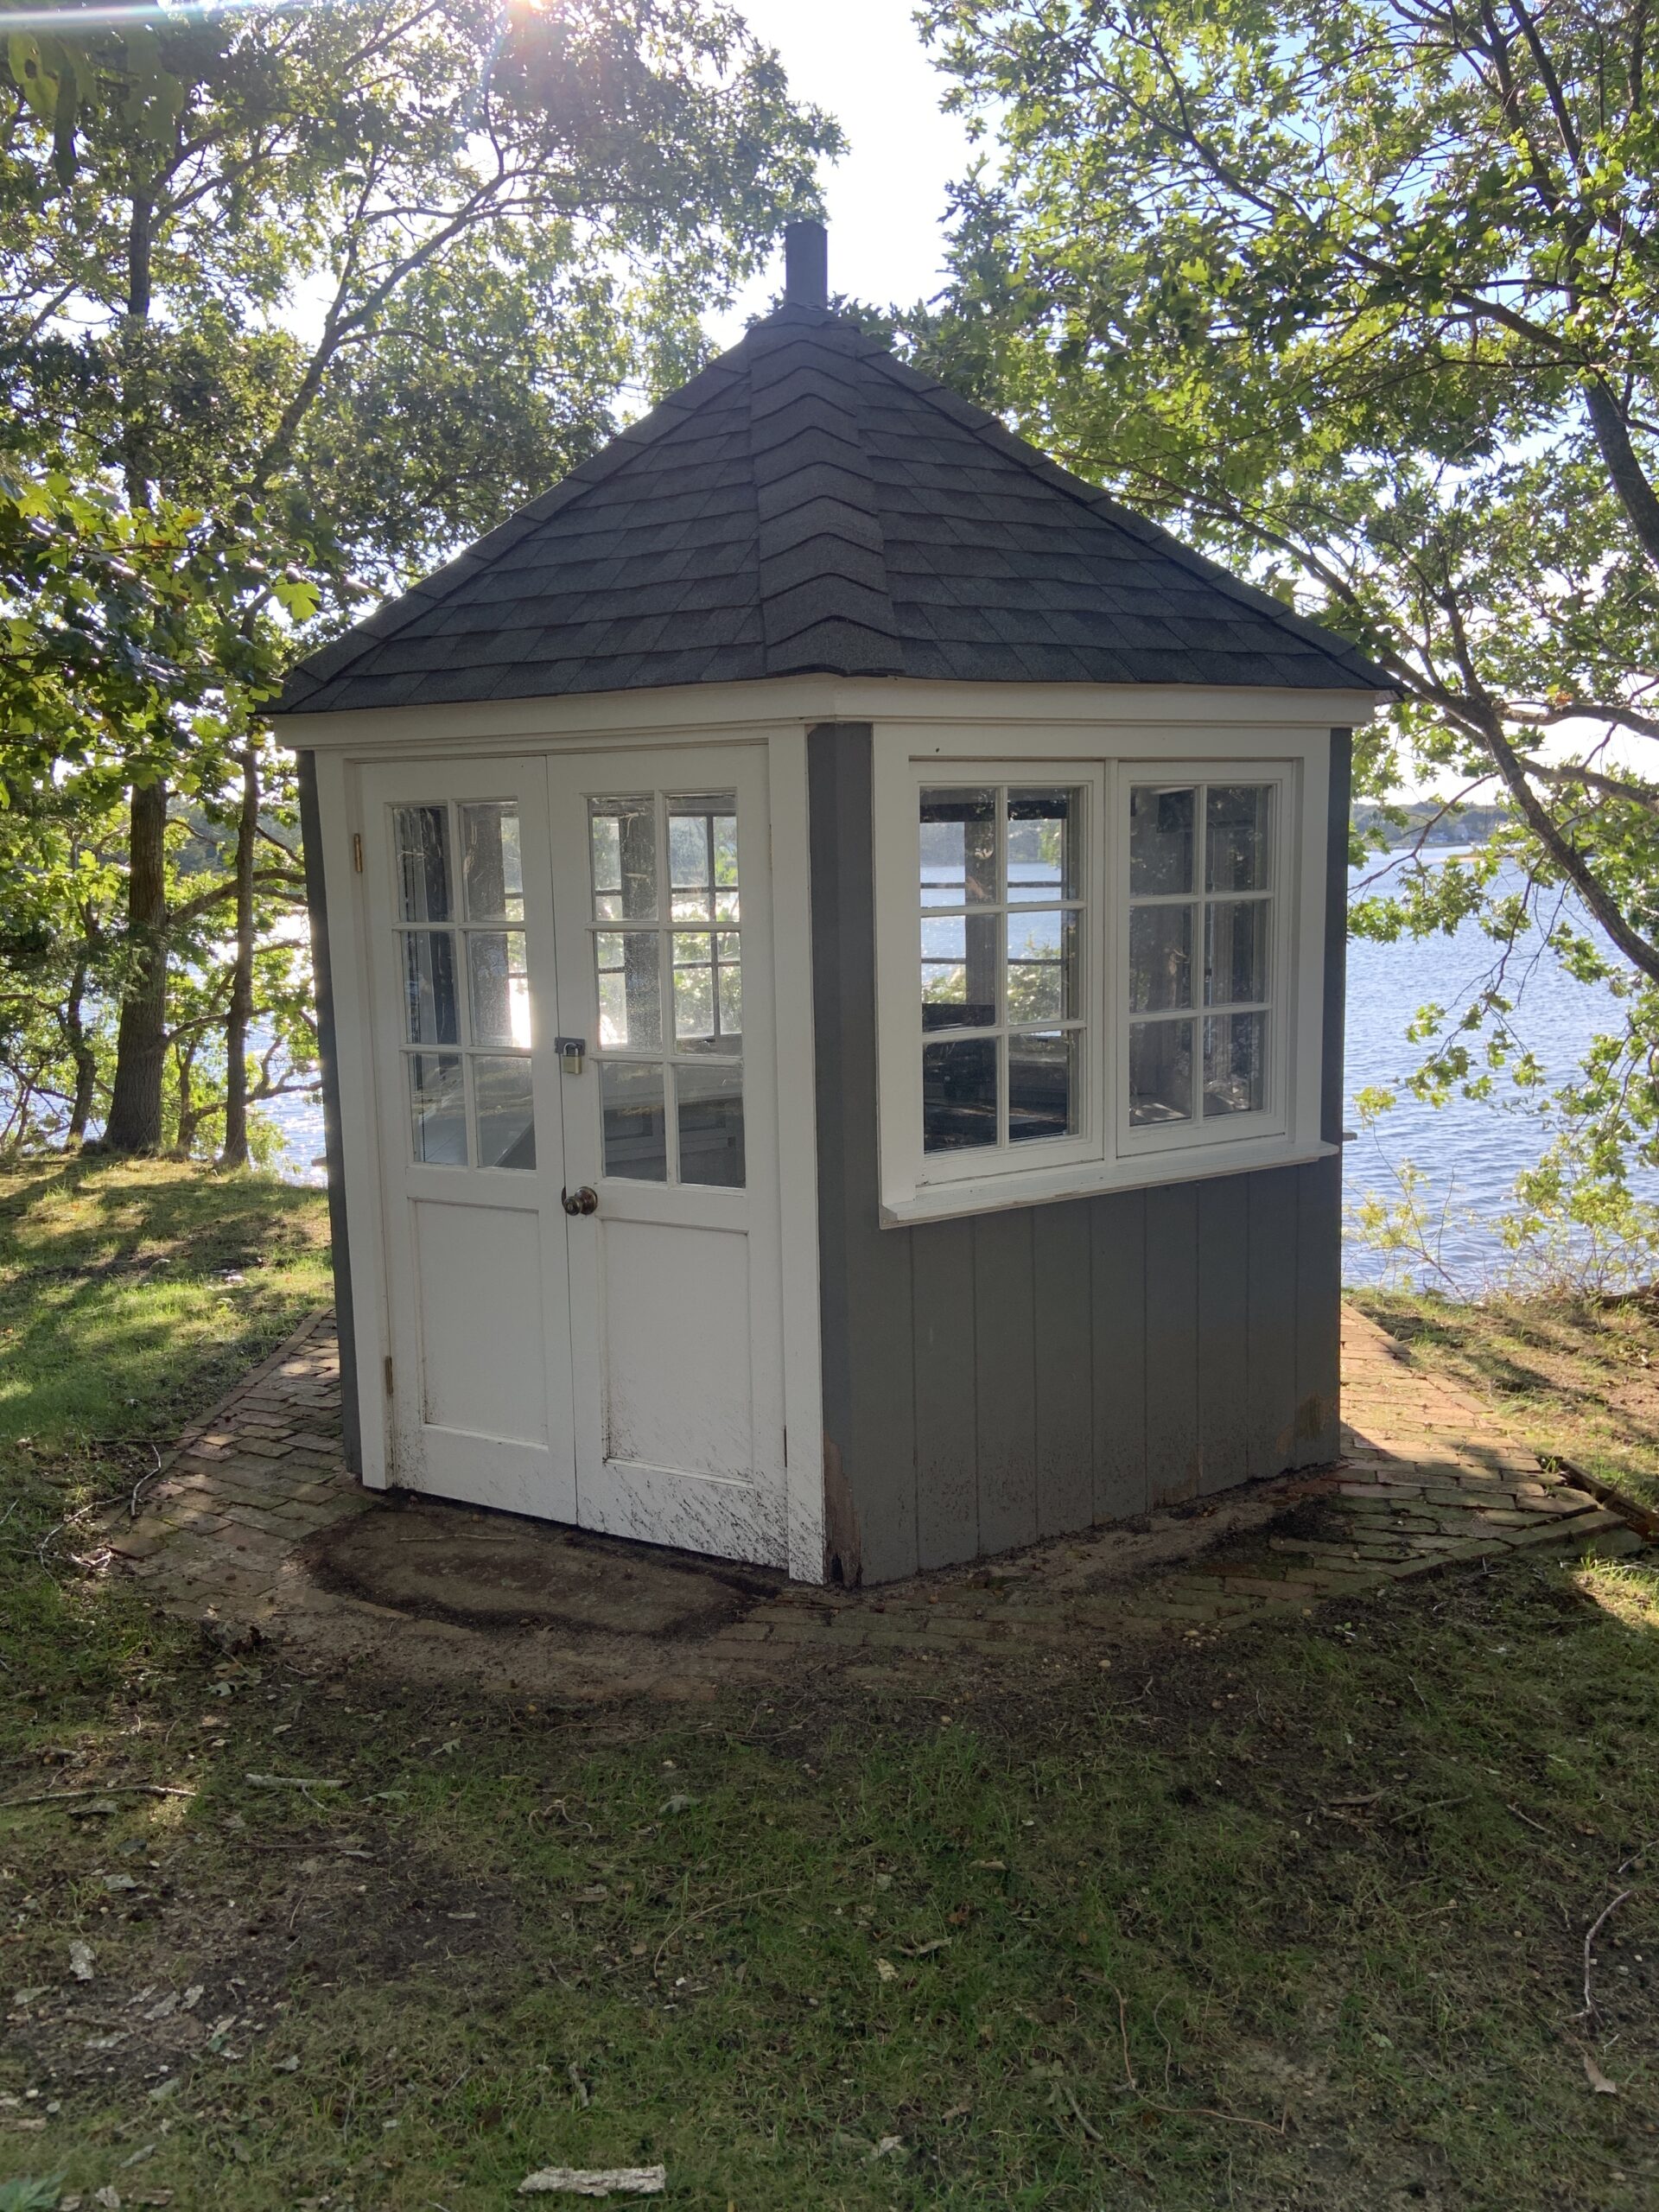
column 575, row 1078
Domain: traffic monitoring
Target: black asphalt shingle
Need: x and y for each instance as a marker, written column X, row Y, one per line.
column 808, row 503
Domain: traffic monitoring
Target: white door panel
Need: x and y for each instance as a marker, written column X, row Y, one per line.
column 663, row 911
column 456, row 875
column 621, row 1366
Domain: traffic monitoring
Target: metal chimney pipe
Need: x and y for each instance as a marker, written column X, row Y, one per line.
column 806, row 266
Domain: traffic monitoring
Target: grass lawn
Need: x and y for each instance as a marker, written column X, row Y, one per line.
column 1578, row 1378
column 1294, row 1919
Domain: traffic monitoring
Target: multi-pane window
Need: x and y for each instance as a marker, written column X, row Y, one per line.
column 669, row 970
column 466, row 984
column 1200, row 969
column 1002, row 965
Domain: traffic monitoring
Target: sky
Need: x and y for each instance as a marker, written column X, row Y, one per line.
column 863, row 61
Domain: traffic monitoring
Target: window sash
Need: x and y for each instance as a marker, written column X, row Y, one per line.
column 1078, row 900
column 1198, row 1131
column 425, row 1061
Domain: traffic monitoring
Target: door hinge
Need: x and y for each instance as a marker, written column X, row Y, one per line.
column 356, row 852
column 388, row 1374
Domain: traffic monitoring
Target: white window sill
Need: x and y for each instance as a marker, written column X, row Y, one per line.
column 1039, row 1186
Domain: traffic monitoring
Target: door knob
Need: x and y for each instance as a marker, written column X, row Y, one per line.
column 582, row 1201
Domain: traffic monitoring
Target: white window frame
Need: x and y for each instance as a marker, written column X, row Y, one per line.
column 974, row 1165
column 1273, row 1118
column 1103, row 760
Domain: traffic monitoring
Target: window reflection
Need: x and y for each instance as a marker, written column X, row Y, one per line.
column 959, row 848
column 465, row 986
column 959, row 1094
column 672, row 1082
column 1001, row 955
column 1200, row 873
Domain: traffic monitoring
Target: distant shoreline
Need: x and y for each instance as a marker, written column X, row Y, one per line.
column 1431, row 824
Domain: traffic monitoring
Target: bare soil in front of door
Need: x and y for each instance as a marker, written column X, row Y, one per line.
column 1347, row 1902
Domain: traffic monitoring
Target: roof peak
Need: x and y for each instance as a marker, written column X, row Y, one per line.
column 810, row 503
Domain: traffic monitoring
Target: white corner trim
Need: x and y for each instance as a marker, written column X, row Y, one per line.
column 797, row 1170
column 339, row 812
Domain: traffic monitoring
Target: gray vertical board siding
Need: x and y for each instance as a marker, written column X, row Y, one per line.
column 1018, row 1374
column 1006, row 1382
column 1270, row 1320
column 1224, row 1331
column 316, row 899
column 942, row 1349
column 865, row 1294
column 1117, row 1283
column 1172, row 1278
column 1063, row 1343
column 1318, row 1312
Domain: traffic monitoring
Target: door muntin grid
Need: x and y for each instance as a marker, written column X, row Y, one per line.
column 666, row 957
column 463, row 969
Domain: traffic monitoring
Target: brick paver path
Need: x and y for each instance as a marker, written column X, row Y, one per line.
column 1427, row 1480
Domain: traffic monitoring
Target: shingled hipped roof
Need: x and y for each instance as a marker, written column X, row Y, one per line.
column 807, row 504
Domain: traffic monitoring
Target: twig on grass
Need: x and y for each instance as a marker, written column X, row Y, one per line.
column 1070, row 2097
column 1531, row 1824
column 1123, row 2036
column 103, row 1790
column 148, row 1477
column 1589, row 1935
column 1279, row 2126
column 725, row 1904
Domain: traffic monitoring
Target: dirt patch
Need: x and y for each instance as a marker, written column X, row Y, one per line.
column 435, row 1561
column 217, row 1974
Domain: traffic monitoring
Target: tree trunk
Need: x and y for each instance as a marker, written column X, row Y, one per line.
column 184, row 1064
column 135, row 1122
column 241, row 1017
column 86, row 1061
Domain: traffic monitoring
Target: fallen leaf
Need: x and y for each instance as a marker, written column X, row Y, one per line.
column 81, row 1961
column 886, row 1970
column 598, row 2181
column 921, row 1950
column 679, row 1803
column 1597, row 2081
column 888, row 2145
column 119, row 1881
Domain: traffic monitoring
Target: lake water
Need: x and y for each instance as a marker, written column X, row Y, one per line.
column 1470, row 1151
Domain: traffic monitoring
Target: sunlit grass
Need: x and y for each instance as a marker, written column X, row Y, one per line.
column 126, row 1293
